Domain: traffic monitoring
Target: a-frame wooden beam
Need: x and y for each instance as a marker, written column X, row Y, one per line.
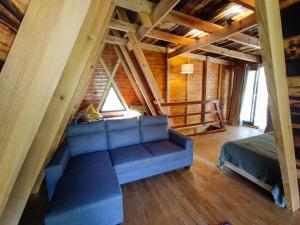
column 29, row 77
column 136, row 76
column 209, row 27
column 111, row 83
column 270, row 32
column 158, row 13
column 82, row 55
column 130, row 76
column 249, row 4
column 160, row 35
column 145, row 7
column 232, row 29
column 143, row 63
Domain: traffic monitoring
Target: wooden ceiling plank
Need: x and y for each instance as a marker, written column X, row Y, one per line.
column 149, row 21
column 134, row 5
column 270, row 32
column 232, row 29
column 249, row 4
column 183, row 19
column 187, row 41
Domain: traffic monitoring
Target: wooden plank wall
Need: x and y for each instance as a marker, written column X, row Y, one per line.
column 189, row 87
column 11, row 15
column 98, row 82
column 182, row 87
column 291, row 35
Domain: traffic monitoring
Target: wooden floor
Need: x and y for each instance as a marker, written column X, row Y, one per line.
column 202, row 195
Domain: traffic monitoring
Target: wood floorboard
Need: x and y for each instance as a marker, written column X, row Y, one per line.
column 202, row 195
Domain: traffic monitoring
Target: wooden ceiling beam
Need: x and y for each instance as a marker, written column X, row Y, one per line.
column 146, row 7
column 209, row 27
column 149, row 21
column 249, row 4
column 232, row 29
column 183, row 41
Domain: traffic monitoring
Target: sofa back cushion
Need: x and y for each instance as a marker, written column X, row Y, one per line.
column 123, row 132
column 154, row 128
column 86, row 138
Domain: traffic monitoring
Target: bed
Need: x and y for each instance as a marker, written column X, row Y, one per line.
column 256, row 159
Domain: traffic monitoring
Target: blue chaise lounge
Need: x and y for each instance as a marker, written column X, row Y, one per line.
column 84, row 177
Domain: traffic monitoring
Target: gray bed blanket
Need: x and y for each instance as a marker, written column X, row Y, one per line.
column 257, row 156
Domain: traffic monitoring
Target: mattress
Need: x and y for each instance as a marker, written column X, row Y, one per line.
column 258, row 157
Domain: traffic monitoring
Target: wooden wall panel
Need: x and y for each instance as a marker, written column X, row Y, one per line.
column 226, row 88
column 157, row 63
column 99, row 80
column 178, row 87
column 211, row 87
column 11, row 15
column 194, row 92
column 126, row 88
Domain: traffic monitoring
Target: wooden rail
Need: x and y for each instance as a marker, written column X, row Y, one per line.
column 216, row 125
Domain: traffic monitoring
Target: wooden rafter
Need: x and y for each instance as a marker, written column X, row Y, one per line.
column 123, row 42
column 270, row 32
column 232, row 29
column 209, row 27
column 249, row 4
column 111, row 83
column 136, row 76
column 156, row 34
column 129, row 75
column 143, row 63
column 146, row 7
column 75, row 70
column 34, row 65
column 158, row 13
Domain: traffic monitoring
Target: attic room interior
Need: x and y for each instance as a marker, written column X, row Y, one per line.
column 149, row 112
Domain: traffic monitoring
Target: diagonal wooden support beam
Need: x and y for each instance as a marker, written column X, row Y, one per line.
column 29, row 77
column 142, row 61
column 111, row 82
column 79, row 62
column 129, row 75
column 209, row 27
column 157, row 14
column 146, row 7
column 270, row 32
column 124, row 26
column 232, row 29
column 136, row 76
column 249, row 4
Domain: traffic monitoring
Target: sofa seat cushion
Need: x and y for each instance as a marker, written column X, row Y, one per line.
column 131, row 158
column 165, row 151
column 88, row 189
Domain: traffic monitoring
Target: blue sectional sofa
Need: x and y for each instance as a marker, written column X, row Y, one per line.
column 84, row 177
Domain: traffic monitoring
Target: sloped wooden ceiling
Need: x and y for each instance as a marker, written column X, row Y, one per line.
column 219, row 13
column 11, row 15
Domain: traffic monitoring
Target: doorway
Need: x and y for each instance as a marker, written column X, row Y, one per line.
column 255, row 100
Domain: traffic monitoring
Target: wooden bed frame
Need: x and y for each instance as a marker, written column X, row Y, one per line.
column 248, row 176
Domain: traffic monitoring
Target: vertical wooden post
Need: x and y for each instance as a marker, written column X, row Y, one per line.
column 204, row 81
column 270, row 33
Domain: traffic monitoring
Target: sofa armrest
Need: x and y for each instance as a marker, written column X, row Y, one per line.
column 55, row 168
column 181, row 140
